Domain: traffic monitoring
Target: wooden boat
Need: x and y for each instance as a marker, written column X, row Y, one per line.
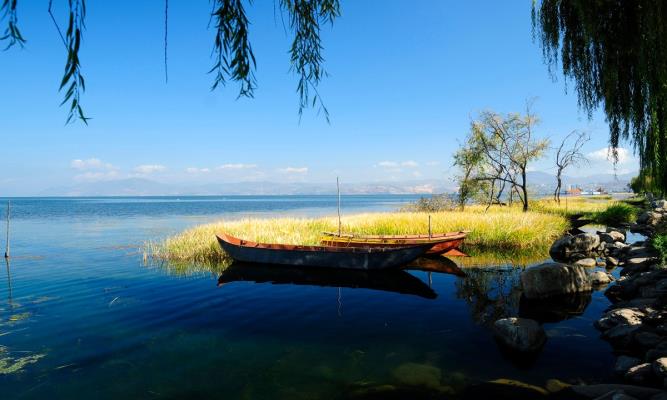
column 393, row 280
column 441, row 243
column 321, row 256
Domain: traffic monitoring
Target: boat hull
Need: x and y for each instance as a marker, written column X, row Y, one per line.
column 320, row 256
column 440, row 244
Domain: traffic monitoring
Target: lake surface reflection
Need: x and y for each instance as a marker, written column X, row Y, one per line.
column 82, row 316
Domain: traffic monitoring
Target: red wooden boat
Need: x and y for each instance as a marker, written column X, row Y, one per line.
column 364, row 258
column 441, row 243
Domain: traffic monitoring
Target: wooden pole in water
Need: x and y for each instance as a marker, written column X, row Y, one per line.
column 339, row 223
column 9, row 205
column 429, row 226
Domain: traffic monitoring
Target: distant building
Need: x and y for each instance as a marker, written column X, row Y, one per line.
column 573, row 191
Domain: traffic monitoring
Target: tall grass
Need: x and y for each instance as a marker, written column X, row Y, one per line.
column 506, row 229
column 499, row 230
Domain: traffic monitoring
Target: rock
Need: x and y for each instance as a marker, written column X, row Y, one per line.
column 415, row 374
column 661, row 203
column 502, row 389
column 660, row 367
column 594, row 391
column 640, row 373
column 649, row 218
column 619, row 316
column 571, row 247
column 620, row 335
column 600, row 278
column 647, row 340
column 612, row 261
column 520, row 334
column 618, row 234
column 559, row 248
column 554, row 385
column 611, row 237
column 553, row 279
column 586, row 262
column 624, row 363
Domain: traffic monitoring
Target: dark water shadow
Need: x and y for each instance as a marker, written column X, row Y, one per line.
column 396, row 281
column 554, row 309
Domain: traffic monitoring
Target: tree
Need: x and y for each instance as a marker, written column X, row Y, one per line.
column 503, row 147
column 616, row 53
column 571, row 156
column 232, row 52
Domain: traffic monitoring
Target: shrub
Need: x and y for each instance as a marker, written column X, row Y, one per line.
column 659, row 242
column 434, row 203
column 616, row 214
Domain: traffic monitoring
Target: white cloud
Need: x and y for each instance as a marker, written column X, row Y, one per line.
column 294, row 170
column 194, row 170
column 236, row 166
column 388, row 164
column 147, row 169
column 90, row 164
column 605, row 154
column 97, row 176
column 396, row 164
column 602, row 160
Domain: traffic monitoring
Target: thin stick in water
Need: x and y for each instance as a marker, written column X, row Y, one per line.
column 9, row 205
column 339, row 223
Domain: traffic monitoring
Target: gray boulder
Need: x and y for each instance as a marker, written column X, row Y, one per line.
column 520, row 334
column 624, row 363
column 619, row 316
column 586, row 262
column 660, row 367
column 640, row 373
column 574, row 247
column 554, row 279
column 649, row 218
column 600, row 278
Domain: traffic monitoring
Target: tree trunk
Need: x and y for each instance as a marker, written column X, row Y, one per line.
column 524, row 189
column 559, row 184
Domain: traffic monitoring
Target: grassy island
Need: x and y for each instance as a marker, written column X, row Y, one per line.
column 498, row 229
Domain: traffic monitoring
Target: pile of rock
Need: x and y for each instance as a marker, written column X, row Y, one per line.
column 636, row 323
column 649, row 219
column 590, row 249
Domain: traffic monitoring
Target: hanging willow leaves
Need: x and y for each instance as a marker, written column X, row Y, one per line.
column 616, row 54
column 12, row 34
column 305, row 18
column 233, row 53
column 72, row 79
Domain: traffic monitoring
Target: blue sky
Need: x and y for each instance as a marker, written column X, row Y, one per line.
column 405, row 78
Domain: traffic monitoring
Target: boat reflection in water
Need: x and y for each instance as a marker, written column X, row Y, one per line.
column 393, row 280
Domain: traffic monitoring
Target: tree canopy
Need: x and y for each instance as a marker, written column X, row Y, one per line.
column 233, row 57
column 616, row 54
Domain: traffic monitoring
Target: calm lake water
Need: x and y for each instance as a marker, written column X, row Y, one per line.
column 82, row 317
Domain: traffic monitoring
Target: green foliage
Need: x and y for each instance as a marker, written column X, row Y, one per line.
column 659, row 242
column 616, row 214
column 616, row 53
column 12, row 34
column 232, row 51
column 434, row 203
column 494, row 159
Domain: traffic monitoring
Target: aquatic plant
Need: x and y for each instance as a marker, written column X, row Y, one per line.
column 9, row 365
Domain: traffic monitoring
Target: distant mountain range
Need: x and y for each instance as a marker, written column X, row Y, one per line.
column 540, row 182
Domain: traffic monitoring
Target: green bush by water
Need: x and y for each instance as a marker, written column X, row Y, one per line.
column 659, row 242
column 615, row 214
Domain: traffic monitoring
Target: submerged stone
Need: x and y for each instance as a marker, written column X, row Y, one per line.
column 415, row 374
column 520, row 334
